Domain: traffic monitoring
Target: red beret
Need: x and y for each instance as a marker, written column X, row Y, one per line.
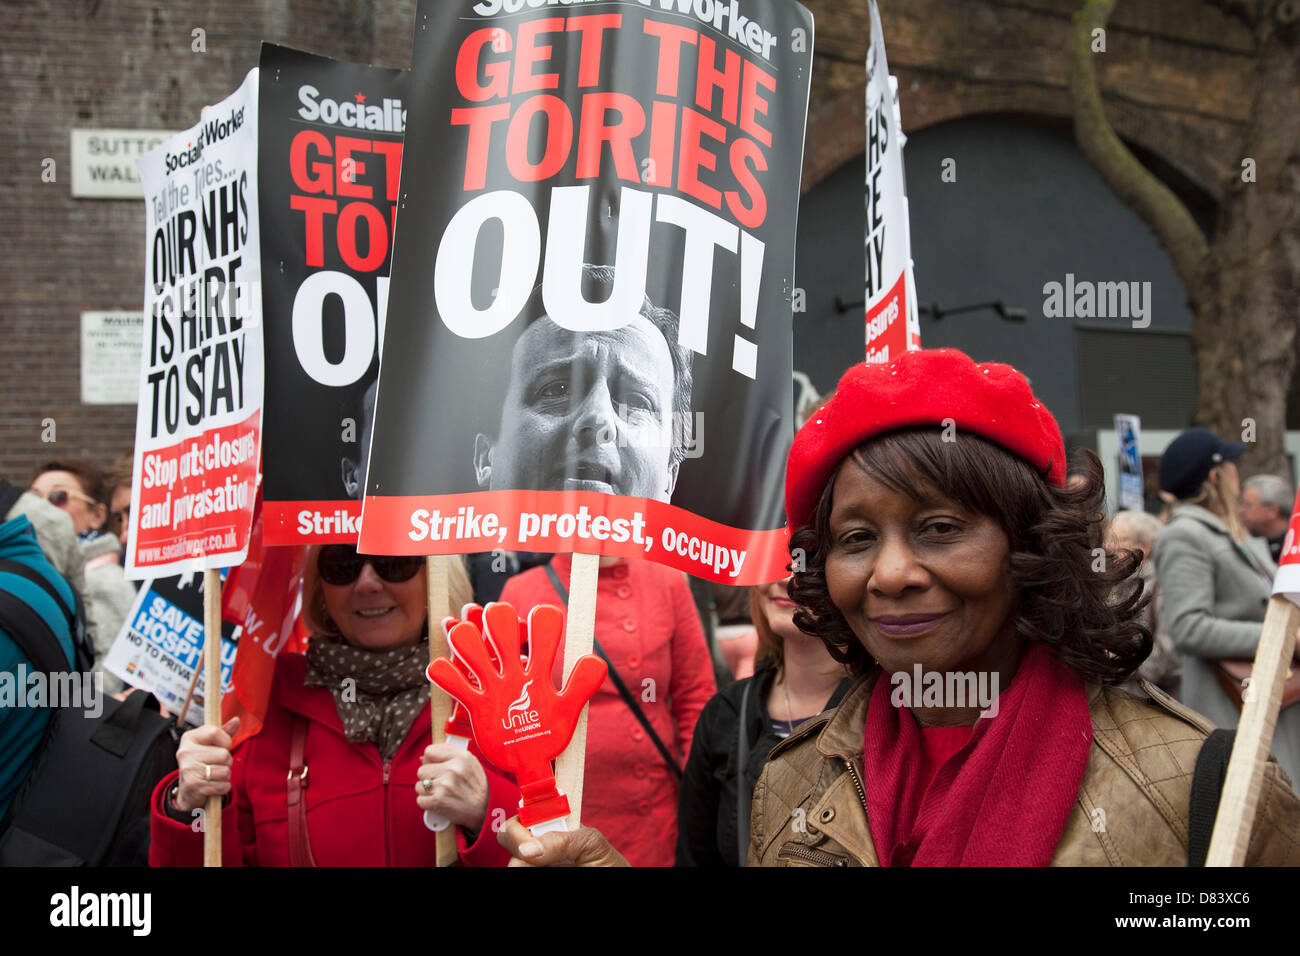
column 922, row 387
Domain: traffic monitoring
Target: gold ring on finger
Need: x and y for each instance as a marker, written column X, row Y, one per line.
column 427, row 784
column 207, row 772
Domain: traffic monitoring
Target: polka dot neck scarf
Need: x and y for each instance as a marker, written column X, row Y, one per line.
column 378, row 693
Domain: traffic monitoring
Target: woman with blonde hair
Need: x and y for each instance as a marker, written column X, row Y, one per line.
column 343, row 768
column 1215, row 580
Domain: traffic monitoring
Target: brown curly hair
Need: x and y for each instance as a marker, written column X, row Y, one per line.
column 1088, row 617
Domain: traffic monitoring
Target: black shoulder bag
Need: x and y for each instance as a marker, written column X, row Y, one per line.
column 628, row 697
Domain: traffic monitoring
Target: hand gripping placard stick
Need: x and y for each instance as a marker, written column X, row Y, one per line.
column 212, row 703
column 458, row 730
column 439, row 702
column 1245, row 777
column 578, row 634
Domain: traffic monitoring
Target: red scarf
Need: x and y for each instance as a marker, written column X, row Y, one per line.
column 1002, row 799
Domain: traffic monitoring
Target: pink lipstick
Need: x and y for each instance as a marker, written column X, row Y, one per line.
column 906, row 625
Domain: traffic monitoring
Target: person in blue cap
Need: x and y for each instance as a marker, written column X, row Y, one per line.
column 1215, row 580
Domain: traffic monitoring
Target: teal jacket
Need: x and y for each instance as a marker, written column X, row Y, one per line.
column 21, row 728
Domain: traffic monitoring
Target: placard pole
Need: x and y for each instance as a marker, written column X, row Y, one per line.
column 439, row 703
column 579, row 630
column 1245, row 777
column 212, row 703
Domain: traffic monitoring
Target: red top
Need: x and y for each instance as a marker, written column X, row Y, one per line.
column 998, row 794
column 937, row 745
column 649, row 628
column 361, row 810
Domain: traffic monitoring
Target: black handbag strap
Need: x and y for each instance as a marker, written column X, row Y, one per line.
column 744, row 800
column 628, row 697
column 1207, row 788
column 27, row 628
column 83, row 650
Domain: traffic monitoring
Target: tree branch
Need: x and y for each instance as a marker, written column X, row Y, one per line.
column 1140, row 190
column 1245, row 11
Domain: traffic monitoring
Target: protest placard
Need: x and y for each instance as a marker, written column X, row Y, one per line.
column 329, row 156
column 161, row 643
column 1132, row 494
column 891, row 322
column 588, row 344
column 198, row 423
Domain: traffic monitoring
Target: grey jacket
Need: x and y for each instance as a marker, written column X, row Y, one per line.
column 1213, row 593
column 108, row 598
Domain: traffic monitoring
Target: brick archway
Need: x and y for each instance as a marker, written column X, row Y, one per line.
column 837, row 132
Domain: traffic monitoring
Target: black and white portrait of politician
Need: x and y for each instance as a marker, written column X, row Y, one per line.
column 606, row 411
column 535, row 406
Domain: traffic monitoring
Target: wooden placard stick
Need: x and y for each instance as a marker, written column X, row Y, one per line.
column 212, row 703
column 580, row 628
column 1245, row 777
column 439, row 702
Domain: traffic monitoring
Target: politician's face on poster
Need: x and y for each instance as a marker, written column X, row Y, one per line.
column 606, row 411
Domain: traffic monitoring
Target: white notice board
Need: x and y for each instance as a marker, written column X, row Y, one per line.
column 110, row 357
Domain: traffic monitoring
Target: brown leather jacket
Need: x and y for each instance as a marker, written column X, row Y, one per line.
column 809, row 806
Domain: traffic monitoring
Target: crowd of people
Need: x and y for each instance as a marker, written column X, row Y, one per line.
column 777, row 731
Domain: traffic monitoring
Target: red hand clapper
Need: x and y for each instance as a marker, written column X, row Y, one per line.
column 521, row 723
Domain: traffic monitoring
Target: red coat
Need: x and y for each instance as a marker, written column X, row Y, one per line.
column 648, row 625
column 361, row 811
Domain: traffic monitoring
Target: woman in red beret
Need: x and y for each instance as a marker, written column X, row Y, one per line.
column 946, row 563
column 938, row 553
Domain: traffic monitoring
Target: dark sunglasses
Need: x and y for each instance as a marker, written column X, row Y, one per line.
column 60, row 497
column 340, row 565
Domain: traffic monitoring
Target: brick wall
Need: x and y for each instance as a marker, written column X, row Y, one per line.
column 126, row 64
column 1175, row 74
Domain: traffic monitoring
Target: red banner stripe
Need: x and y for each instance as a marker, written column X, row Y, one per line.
column 573, row 521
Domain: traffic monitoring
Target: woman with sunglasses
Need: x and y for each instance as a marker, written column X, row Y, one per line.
column 78, row 489
column 342, row 770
